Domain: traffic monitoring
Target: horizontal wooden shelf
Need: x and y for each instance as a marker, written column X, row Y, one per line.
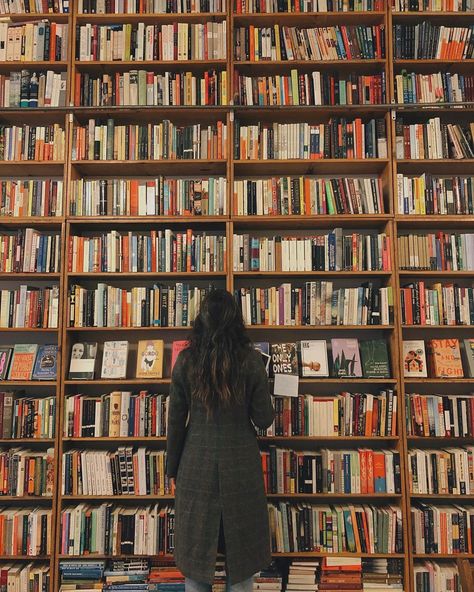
column 28, row 441
column 125, row 220
column 321, row 327
column 450, row 497
column 110, row 498
column 309, row 18
column 315, row 221
column 120, row 381
column 50, row 222
column 33, row 275
column 106, row 329
column 51, row 168
column 108, row 18
column 93, row 556
column 25, row 498
column 308, row 274
column 276, row 66
column 25, row 557
column 35, row 66
column 150, row 167
column 439, row 380
column 442, row 15
column 140, row 381
column 439, row 327
column 118, row 439
column 451, row 221
column 327, row 439
column 432, row 273
column 62, row 17
column 309, row 554
column 303, row 496
column 119, row 65
column 28, row 330
column 435, row 556
column 440, row 440
column 9, row 383
column 309, row 166
column 441, row 167
column 154, row 275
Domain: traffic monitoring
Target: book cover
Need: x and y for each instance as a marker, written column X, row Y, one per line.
column 346, row 358
column 445, row 358
column 375, row 358
column 83, row 359
column 114, row 359
column 284, row 368
column 150, row 358
column 176, row 349
column 46, row 364
column 24, row 355
column 414, row 359
column 468, row 355
column 5, row 358
column 264, row 348
column 314, row 358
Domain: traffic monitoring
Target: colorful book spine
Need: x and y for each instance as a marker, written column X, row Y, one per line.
column 21, row 198
column 32, row 143
column 29, row 250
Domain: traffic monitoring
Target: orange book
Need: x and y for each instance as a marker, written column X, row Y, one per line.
column 444, row 357
column 358, row 137
column 126, row 253
column 77, row 89
column 363, row 471
column 52, row 42
column 31, row 476
column 370, row 472
column 380, row 477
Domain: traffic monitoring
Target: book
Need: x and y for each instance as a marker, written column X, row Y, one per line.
column 5, row 358
column 440, row 251
column 264, row 348
column 114, row 359
column 150, row 358
column 444, row 356
column 83, row 360
column 23, row 360
column 414, row 359
column 313, row 358
column 345, row 358
column 375, row 358
column 46, row 363
column 468, row 356
column 31, row 144
column 284, row 368
column 176, row 348
column 29, row 250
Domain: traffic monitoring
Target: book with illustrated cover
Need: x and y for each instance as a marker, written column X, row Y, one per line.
column 114, row 359
column 264, row 348
column 83, row 360
column 24, row 355
column 150, row 358
column 444, row 357
column 284, row 369
column 375, row 358
column 314, row 358
column 414, row 359
column 346, row 358
column 176, row 349
column 5, row 358
column 46, row 364
column 468, row 355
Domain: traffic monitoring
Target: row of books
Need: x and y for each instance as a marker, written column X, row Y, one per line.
column 427, row 41
column 29, row 89
column 433, row 5
column 331, row 471
column 440, row 416
column 125, row 530
column 119, row 414
column 308, row 196
column 31, row 197
column 149, row 6
column 109, row 306
column 433, row 140
column 411, row 88
column 317, row 303
column 124, row 471
column 160, row 196
column 335, row 251
column 314, row 88
column 142, row 87
column 29, row 361
column 100, row 140
column 430, row 194
column 30, row 308
column 32, row 142
column 33, row 6
column 284, row 43
column 26, row 472
column 276, row 6
column 140, row 42
column 25, row 531
column 335, row 529
column 33, row 42
column 440, row 304
column 442, row 529
column 436, row 577
column 310, row 89
column 346, row 414
column 159, row 251
column 29, row 250
column 30, row 576
column 26, row 417
column 441, row 471
column 339, row 138
column 441, row 251
column 444, row 358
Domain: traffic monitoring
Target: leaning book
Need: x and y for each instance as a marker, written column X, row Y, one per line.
column 114, row 360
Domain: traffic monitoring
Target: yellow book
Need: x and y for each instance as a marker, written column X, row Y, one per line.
column 150, row 358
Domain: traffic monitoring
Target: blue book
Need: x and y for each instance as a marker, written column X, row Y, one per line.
column 46, row 363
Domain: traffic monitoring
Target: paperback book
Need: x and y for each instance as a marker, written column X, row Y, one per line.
column 46, row 364
column 314, row 358
column 24, row 355
column 346, row 358
column 375, row 359
column 414, row 359
column 468, row 355
column 114, row 360
column 445, row 358
column 176, row 349
column 284, row 365
column 150, row 359
column 5, row 358
column 83, row 359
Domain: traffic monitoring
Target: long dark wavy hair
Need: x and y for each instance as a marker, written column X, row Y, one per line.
column 218, row 344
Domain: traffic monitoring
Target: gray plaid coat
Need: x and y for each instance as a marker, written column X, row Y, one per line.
column 218, row 473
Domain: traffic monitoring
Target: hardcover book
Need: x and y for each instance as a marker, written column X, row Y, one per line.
column 445, row 358
column 468, row 355
column 346, row 358
column 375, row 359
column 114, row 359
column 46, row 364
column 284, row 366
column 5, row 358
column 176, row 349
column 83, row 359
column 314, row 358
column 24, row 355
column 264, row 348
column 150, row 358
column 414, row 359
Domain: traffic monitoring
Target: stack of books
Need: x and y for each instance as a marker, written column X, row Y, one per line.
column 383, row 575
column 165, row 577
column 268, row 580
column 341, row 573
column 302, row 576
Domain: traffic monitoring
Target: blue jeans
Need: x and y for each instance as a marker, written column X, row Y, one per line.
column 193, row 586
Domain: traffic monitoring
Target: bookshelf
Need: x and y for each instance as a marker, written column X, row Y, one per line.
column 221, row 175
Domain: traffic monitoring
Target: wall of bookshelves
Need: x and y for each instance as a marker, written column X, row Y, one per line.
column 120, row 133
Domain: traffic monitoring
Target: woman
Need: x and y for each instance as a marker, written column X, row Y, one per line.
column 220, row 383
